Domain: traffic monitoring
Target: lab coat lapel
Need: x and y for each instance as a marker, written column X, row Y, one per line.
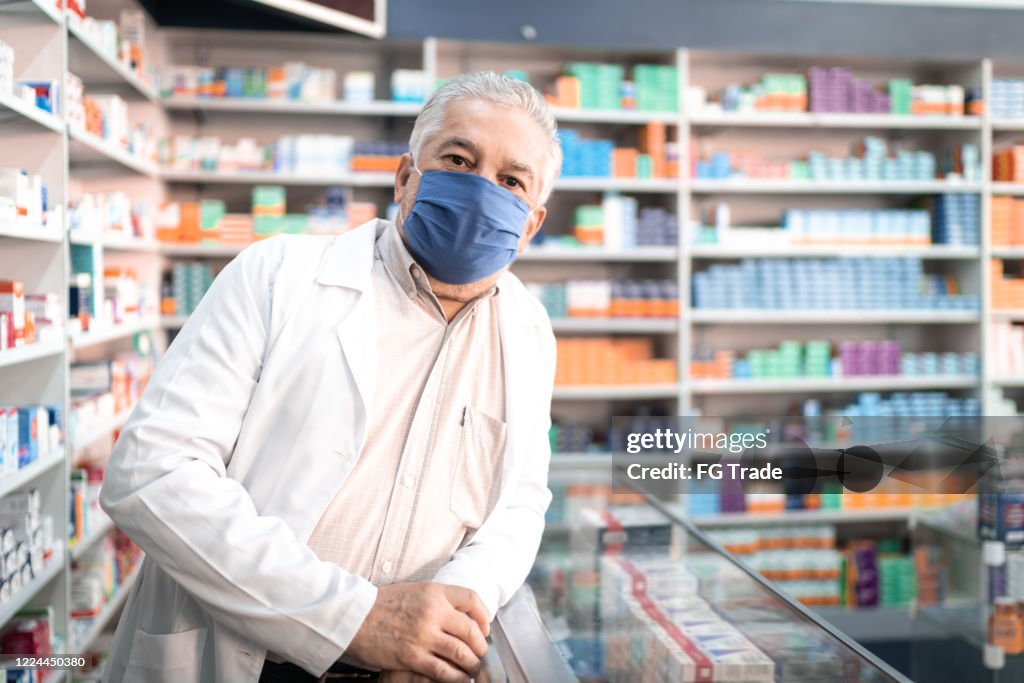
column 517, row 350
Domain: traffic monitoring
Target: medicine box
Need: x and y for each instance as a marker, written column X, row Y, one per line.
column 28, row 435
column 11, row 456
column 12, row 303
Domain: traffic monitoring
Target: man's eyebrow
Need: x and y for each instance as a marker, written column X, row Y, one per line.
column 520, row 167
column 456, row 141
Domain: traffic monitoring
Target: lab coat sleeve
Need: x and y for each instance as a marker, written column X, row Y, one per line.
column 496, row 561
column 166, row 484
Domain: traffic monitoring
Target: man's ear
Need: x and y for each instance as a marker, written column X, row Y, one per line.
column 533, row 224
column 402, row 176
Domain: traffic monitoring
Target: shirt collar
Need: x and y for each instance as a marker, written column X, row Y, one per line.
column 403, row 267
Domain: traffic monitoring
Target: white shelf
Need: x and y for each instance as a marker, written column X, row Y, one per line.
column 934, row 252
column 271, row 178
column 202, row 250
column 28, row 591
column 24, row 354
column 30, row 112
column 87, row 147
column 1010, row 315
column 612, row 392
column 269, row 106
column 1008, row 252
column 47, row 7
column 94, row 66
column 601, row 184
column 625, row 325
column 101, row 620
column 1001, row 124
column 97, row 432
column 831, row 516
column 833, row 385
column 1009, row 382
column 38, row 233
column 81, row 340
column 1001, row 188
column 132, row 244
column 101, row 531
column 173, row 322
column 13, row 481
column 836, row 120
column 614, row 116
column 754, row 186
column 757, row 316
column 600, row 254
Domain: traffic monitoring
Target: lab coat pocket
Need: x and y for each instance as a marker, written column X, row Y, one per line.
column 478, row 467
column 168, row 658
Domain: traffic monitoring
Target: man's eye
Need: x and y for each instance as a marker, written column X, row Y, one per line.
column 456, row 160
column 513, row 182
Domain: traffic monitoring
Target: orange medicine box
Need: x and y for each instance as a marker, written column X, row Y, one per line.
column 12, row 304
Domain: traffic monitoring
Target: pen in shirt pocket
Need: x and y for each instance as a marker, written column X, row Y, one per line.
column 462, row 422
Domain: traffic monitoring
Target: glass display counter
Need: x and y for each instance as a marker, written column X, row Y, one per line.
column 639, row 594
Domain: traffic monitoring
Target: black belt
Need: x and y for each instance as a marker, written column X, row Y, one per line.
column 284, row 672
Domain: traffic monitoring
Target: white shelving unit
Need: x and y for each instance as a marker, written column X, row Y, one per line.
column 82, row 154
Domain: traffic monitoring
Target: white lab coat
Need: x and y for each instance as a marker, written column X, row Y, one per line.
column 249, row 425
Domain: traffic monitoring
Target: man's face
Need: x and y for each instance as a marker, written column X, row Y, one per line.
column 503, row 145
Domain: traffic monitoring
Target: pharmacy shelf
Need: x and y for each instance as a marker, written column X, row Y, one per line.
column 106, row 615
column 101, row 531
column 1009, row 382
column 24, row 354
column 95, row 67
column 825, row 120
column 89, row 148
column 1001, row 188
column 755, row 316
column 173, row 322
column 602, row 184
column 840, row 516
column 578, row 461
column 28, row 591
column 202, row 250
column 16, row 109
column 613, row 392
column 620, row 325
column 832, row 385
column 934, row 252
column 600, row 254
column 241, row 105
column 265, row 177
column 47, row 7
column 1008, row 252
column 132, row 244
column 39, row 233
column 747, row 186
column 1009, row 315
column 100, row 430
column 1001, row 124
column 12, row 481
column 81, row 340
column 614, row 116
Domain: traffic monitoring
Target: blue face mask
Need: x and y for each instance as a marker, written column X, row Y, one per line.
column 463, row 228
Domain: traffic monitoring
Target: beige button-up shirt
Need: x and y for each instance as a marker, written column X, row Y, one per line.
column 430, row 468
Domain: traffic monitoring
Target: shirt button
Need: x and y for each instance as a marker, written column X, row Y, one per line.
column 386, row 566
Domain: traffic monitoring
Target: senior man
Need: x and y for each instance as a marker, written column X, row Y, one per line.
column 339, row 468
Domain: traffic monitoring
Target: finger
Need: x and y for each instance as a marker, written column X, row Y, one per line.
column 465, row 629
column 457, row 652
column 465, row 600
column 437, row 669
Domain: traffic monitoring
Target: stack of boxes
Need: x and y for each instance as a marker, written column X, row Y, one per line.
column 24, row 200
column 189, row 282
column 1007, row 222
column 1007, row 290
column 603, row 360
column 26, row 539
column 28, row 433
column 1008, row 164
column 1007, row 98
column 609, row 298
column 589, row 85
column 617, row 224
column 653, row 158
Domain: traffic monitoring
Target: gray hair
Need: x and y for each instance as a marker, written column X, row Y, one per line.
column 501, row 90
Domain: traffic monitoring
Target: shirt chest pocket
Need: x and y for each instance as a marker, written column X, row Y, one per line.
column 478, row 466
